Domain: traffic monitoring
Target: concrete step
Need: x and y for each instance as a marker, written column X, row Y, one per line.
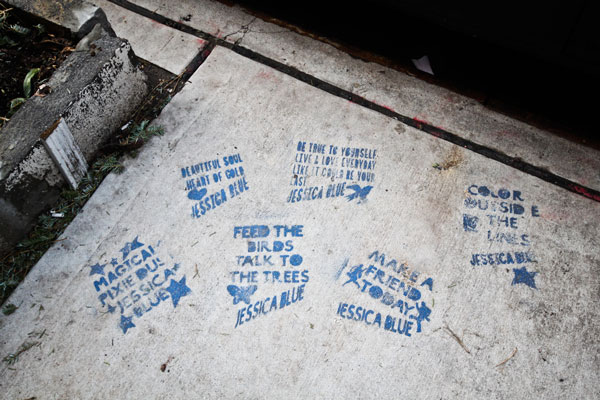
column 279, row 241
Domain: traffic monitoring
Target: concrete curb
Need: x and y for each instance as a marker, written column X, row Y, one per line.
column 94, row 92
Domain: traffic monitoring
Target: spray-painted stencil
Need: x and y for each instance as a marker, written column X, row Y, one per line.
column 210, row 184
column 498, row 215
column 137, row 281
column 270, row 260
column 403, row 296
column 324, row 171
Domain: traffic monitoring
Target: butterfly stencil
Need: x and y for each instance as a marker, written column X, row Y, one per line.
column 242, row 293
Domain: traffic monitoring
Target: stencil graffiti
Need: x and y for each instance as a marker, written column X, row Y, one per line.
column 269, row 259
column 498, row 216
column 212, row 183
column 525, row 277
column 321, row 171
column 136, row 282
column 404, row 292
column 242, row 293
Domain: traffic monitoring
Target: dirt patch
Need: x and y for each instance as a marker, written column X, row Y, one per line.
column 27, row 47
column 454, row 159
column 400, row 128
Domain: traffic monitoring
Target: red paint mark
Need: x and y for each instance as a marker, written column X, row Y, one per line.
column 583, row 191
column 206, row 53
column 214, row 29
column 201, row 42
column 555, row 216
column 451, row 98
column 587, row 160
column 265, row 75
column 510, row 134
column 381, row 105
column 421, row 121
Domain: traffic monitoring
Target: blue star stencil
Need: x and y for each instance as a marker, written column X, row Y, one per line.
column 97, row 269
column 114, row 262
column 111, row 309
column 524, row 276
column 130, row 246
column 126, row 323
column 178, row 290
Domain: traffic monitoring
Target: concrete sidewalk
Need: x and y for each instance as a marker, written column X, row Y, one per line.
column 280, row 241
column 393, row 90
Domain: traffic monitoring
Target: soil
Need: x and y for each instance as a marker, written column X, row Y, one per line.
column 41, row 47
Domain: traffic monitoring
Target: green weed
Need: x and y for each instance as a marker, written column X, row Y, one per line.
column 9, row 309
column 14, row 357
column 15, row 266
column 27, row 81
column 143, row 132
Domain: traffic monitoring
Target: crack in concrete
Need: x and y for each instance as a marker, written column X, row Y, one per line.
column 244, row 29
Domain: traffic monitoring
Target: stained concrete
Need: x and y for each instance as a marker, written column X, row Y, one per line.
column 402, row 93
column 524, row 327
